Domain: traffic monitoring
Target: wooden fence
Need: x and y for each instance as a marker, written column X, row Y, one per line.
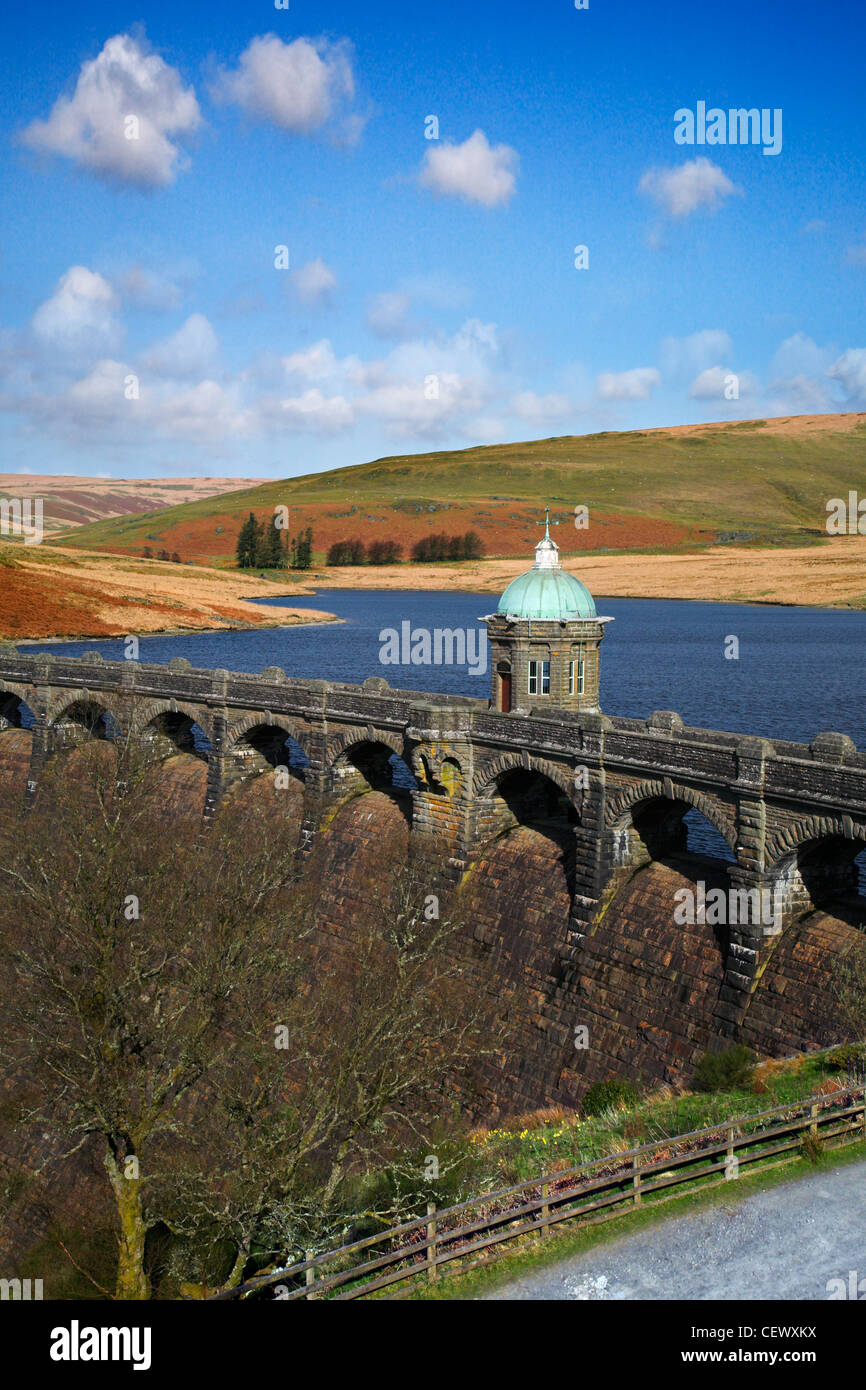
column 596, row 1191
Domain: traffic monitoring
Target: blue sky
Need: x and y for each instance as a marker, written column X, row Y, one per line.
column 431, row 299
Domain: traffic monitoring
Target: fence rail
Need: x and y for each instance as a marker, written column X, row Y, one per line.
column 596, row 1191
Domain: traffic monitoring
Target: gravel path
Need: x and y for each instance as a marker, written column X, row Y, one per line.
column 782, row 1244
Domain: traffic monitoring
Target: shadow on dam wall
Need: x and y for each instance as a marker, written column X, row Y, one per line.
column 643, row 986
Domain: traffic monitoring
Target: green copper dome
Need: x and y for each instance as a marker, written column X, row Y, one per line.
column 546, row 591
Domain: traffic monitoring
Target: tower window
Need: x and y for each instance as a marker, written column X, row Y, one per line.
column 539, row 671
column 575, row 672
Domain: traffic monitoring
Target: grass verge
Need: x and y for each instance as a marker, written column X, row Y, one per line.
column 537, row 1252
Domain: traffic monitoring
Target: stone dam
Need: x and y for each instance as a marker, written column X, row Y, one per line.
column 568, row 834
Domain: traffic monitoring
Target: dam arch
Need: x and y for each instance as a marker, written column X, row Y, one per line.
column 82, row 716
column 174, row 719
column 823, row 873
column 15, row 710
column 258, row 745
column 654, row 819
column 379, row 761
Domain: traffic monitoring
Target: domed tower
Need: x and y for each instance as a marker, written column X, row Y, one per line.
column 544, row 639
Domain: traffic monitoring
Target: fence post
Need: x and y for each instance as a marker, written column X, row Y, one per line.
column 545, row 1210
column 731, row 1165
column 635, row 1181
column 814, row 1113
column 432, row 1270
column 310, row 1274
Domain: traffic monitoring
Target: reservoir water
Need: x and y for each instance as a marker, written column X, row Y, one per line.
column 799, row 670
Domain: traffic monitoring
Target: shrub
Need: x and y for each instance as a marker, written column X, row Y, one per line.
column 351, row 552
column 845, row 1056
column 606, row 1095
column 473, row 546
column 730, row 1070
column 384, row 553
column 812, row 1148
column 439, row 546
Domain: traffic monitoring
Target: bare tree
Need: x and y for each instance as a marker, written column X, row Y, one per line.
column 172, row 998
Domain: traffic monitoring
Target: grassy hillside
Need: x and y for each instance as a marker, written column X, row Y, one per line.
column 668, row 489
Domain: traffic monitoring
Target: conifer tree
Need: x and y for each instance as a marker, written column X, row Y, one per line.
column 247, row 543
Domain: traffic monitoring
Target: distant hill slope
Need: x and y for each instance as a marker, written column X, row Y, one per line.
column 70, row 501
column 662, row 489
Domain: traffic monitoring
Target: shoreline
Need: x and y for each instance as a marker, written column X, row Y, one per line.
column 168, row 632
column 332, row 619
column 482, row 593
column 61, row 594
column 597, row 598
column 830, row 575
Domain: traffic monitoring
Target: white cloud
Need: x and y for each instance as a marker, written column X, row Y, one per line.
column 800, row 395
column 317, row 413
column 316, row 363
column 715, row 382
column 99, row 396
column 186, row 352
column 485, row 429
column 540, row 410
column 850, row 370
column 696, row 184
column 440, row 387
column 298, row 86
column 635, row 385
column 424, row 408
column 97, row 407
column 313, row 282
column 800, row 356
column 422, row 388
column 80, row 315
column 149, row 289
column 683, row 357
column 474, row 171
column 387, row 314
column 206, row 411
column 92, row 126
column 799, row 381
column 477, row 339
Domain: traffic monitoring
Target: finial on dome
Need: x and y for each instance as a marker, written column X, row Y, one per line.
column 547, row 551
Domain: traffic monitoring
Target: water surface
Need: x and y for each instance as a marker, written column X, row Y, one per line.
column 799, row 671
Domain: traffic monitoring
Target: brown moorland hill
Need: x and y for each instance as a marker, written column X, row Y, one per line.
column 70, row 501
